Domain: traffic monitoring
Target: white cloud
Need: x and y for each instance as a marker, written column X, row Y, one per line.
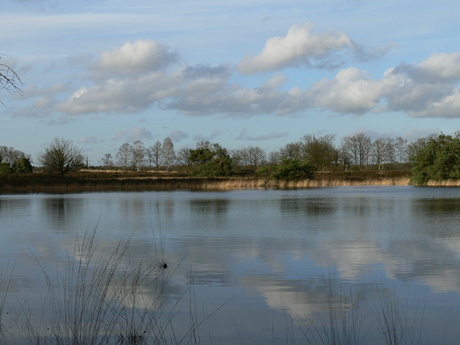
column 90, row 140
column 119, row 135
column 121, row 95
column 210, row 137
column 177, row 136
column 428, row 89
column 272, row 135
column 135, row 58
column 300, row 47
column 441, row 67
column 140, row 81
column 33, row 91
column 274, row 82
column 351, row 91
column 138, row 133
column 43, row 102
column 448, row 107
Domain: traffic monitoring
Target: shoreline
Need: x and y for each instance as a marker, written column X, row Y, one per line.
column 183, row 183
column 101, row 182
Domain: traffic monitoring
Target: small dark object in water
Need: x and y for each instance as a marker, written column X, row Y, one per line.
column 164, row 265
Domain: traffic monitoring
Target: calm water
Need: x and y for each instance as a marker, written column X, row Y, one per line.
column 256, row 266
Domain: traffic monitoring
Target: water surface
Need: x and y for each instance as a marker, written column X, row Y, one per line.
column 259, row 266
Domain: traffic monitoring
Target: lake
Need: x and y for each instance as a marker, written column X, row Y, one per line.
column 234, row 267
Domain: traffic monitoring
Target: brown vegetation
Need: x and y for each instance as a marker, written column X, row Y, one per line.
column 92, row 180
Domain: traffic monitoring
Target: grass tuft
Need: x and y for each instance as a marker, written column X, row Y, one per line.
column 104, row 297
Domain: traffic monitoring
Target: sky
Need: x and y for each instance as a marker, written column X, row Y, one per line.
column 239, row 73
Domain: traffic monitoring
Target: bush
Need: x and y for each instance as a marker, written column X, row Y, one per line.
column 5, row 168
column 23, row 165
column 288, row 169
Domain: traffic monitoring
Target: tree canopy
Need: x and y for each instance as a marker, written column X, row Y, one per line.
column 211, row 160
column 438, row 158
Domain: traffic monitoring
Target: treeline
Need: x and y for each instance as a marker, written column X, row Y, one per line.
column 357, row 152
column 14, row 161
column 435, row 157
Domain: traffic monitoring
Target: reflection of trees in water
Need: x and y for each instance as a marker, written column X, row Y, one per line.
column 310, row 206
column 333, row 206
column 438, row 205
column 63, row 212
column 209, row 207
column 438, row 217
column 15, row 206
column 209, row 214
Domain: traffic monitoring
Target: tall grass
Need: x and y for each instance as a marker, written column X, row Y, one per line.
column 347, row 321
column 396, row 324
column 342, row 323
column 103, row 297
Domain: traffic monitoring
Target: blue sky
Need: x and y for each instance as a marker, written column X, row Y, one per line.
column 240, row 73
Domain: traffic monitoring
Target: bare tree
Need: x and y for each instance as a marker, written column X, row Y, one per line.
column 274, row 157
column 390, row 150
column 61, row 156
column 154, row 154
column 379, row 152
column 252, row 156
column 9, row 80
column 124, row 156
column 107, row 160
column 183, row 157
column 319, row 151
column 137, row 155
column 14, row 160
column 237, row 157
column 291, row 151
column 358, row 148
column 167, row 153
column 401, row 154
column 10, row 155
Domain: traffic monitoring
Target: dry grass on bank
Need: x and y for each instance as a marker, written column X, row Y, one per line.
column 94, row 181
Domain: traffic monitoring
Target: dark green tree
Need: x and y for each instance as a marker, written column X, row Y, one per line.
column 288, row 170
column 211, row 160
column 23, row 166
column 5, row 168
column 293, row 170
column 437, row 159
column 266, row 172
